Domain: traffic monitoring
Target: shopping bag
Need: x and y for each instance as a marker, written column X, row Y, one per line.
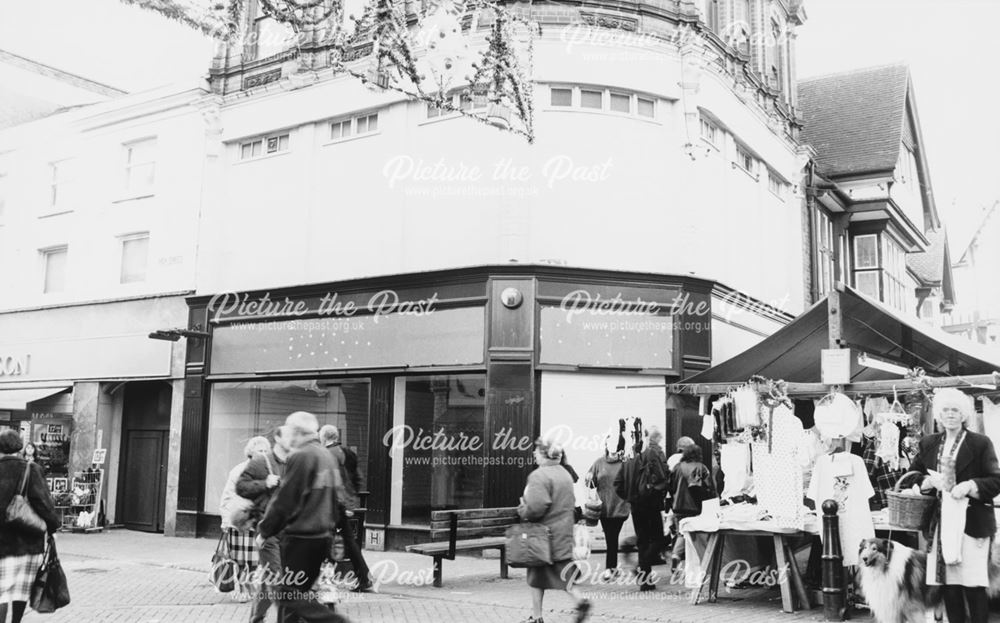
column 224, row 568
column 20, row 515
column 581, row 542
column 50, row 590
column 528, row 545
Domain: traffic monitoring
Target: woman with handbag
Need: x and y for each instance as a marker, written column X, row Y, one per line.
column 613, row 510
column 967, row 478
column 691, row 483
column 240, row 540
column 549, row 500
column 27, row 516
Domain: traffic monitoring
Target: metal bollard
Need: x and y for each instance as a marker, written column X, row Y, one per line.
column 834, row 599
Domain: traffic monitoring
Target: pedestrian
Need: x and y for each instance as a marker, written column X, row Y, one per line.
column 258, row 482
column 967, row 478
column 20, row 552
column 548, row 499
column 303, row 515
column 241, row 539
column 691, row 483
column 347, row 460
column 648, row 507
column 614, row 510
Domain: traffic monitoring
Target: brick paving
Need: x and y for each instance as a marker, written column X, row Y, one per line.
column 127, row 576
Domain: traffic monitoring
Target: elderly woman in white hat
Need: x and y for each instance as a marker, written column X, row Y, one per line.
column 966, row 477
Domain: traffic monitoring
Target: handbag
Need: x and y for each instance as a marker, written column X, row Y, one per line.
column 528, row 545
column 50, row 590
column 224, row 568
column 20, row 514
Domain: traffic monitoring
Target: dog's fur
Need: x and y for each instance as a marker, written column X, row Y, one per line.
column 893, row 578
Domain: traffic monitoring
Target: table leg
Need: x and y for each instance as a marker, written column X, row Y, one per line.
column 797, row 583
column 786, row 590
column 715, row 569
column 713, row 541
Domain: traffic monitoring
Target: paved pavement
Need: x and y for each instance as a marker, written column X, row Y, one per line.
column 129, row 576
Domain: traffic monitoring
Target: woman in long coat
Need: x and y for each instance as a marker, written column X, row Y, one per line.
column 968, row 474
column 240, row 538
column 549, row 500
column 20, row 552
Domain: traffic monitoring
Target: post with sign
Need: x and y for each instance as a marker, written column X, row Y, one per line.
column 835, row 371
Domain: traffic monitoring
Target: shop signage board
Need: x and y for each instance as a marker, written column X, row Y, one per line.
column 100, row 455
column 835, row 366
column 14, row 365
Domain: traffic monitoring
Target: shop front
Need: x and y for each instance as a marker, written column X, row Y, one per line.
column 439, row 381
column 88, row 392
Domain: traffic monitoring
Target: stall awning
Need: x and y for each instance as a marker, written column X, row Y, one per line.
column 18, row 399
column 793, row 352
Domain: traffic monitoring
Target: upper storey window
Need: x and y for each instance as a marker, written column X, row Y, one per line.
column 267, row 36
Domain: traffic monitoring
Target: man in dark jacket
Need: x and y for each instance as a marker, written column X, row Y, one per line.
column 646, row 510
column 304, row 513
column 347, row 460
column 258, row 482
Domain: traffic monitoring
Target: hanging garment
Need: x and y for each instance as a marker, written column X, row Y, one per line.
column 838, row 416
column 842, row 477
column 747, row 405
column 952, row 528
column 777, row 470
column 991, row 421
column 708, row 427
column 874, row 406
column 734, row 461
column 882, row 478
column 888, row 441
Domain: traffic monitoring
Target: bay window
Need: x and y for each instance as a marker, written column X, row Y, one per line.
column 880, row 269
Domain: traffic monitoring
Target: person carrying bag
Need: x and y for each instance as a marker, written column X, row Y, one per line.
column 50, row 591
column 24, row 502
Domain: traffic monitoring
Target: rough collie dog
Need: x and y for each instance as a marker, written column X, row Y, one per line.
column 893, row 579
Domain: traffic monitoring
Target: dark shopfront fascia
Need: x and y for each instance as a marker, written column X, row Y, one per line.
column 474, row 365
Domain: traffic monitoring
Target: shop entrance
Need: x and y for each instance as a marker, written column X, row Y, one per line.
column 143, row 469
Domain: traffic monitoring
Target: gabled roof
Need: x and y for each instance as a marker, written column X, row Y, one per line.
column 86, row 84
column 18, row 108
column 854, row 120
column 929, row 265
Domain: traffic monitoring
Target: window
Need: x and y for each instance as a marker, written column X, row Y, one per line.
column 342, row 129
column 867, row 283
column 562, row 97
column 773, row 57
column 57, row 177
column 745, row 160
column 54, row 267
column 264, row 146
column 432, row 112
column 591, row 99
column 269, row 37
column 135, row 257
column 775, row 184
column 647, row 107
column 621, row 103
column 709, row 131
column 712, row 16
column 907, row 166
column 866, row 251
column 140, row 166
column 825, row 247
column 472, row 101
column 367, row 124
column 880, row 269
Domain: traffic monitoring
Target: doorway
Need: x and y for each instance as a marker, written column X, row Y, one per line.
column 143, row 469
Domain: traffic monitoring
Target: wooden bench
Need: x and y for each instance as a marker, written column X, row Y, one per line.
column 467, row 531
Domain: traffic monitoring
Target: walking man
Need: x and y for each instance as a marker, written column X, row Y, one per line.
column 347, row 460
column 646, row 510
column 304, row 513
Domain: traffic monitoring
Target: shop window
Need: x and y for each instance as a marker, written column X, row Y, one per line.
column 240, row 411
column 639, row 337
column 135, row 257
column 140, row 166
column 448, row 474
column 54, row 267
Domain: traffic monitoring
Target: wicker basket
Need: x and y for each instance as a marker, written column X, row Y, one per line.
column 908, row 510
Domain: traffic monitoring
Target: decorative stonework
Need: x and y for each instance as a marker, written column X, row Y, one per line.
column 357, row 52
column 256, row 80
column 604, row 20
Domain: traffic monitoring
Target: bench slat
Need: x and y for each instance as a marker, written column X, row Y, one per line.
column 430, row 549
column 475, row 513
column 467, row 533
column 475, row 523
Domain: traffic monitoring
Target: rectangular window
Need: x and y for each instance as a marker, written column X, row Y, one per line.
column 57, row 173
column 432, row 112
column 866, row 282
column 140, row 166
column 866, row 251
column 592, row 99
column 775, row 184
column 479, row 101
column 746, row 161
column 54, row 266
column 709, row 131
column 135, row 258
column 562, row 97
column 621, row 103
column 263, row 146
column 825, row 247
column 712, row 16
column 647, row 107
column 368, row 124
column 240, row 411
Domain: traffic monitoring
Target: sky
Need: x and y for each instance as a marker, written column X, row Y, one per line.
column 136, row 50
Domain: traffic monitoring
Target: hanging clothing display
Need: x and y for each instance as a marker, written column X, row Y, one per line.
column 842, row 477
column 734, row 461
column 838, row 416
column 777, row 469
column 747, row 404
column 888, row 440
column 874, row 406
column 882, row 478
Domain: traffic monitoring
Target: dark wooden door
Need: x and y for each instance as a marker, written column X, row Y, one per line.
column 145, row 480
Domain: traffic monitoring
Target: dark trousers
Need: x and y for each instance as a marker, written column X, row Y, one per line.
column 301, row 559
column 649, row 537
column 353, row 550
column 270, row 567
column 612, row 527
column 956, row 598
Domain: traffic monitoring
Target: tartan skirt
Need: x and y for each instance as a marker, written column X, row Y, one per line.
column 17, row 574
column 242, row 547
